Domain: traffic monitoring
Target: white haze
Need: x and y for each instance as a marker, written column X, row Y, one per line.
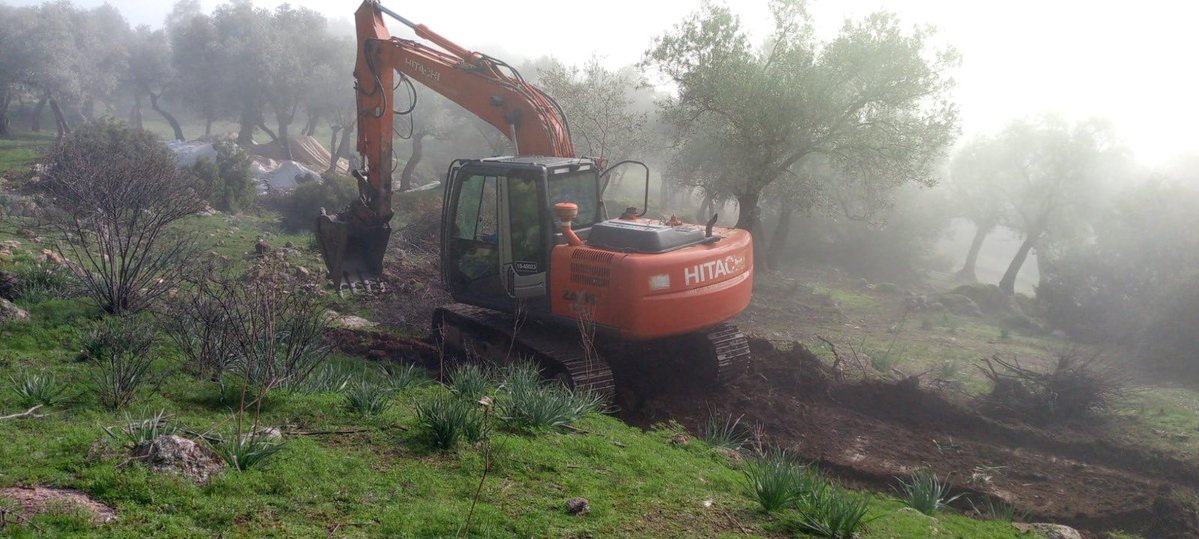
column 1131, row 62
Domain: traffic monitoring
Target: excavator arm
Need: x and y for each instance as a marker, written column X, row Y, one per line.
column 353, row 241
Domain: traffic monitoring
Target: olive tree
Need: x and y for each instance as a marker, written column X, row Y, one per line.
column 874, row 99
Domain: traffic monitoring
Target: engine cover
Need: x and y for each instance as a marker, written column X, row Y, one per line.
column 642, row 236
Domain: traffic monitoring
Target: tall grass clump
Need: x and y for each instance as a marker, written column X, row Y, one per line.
column 725, row 431
column 924, row 492
column 997, row 510
column 243, row 452
column 139, row 431
column 119, row 350
column 530, row 403
column 36, row 388
column 446, row 419
column 367, row 398
column 831, row 511
column 469, row 381
column 36, row 283
column 776, row 481
column 400, row 377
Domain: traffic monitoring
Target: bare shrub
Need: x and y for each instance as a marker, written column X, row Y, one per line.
column 267, row 328
column 1072, row 386
column 117, row 192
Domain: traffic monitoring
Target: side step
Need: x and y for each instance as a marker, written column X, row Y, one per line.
column 731, row 351
column 559, row 352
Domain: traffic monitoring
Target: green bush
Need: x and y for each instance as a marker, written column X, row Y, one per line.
column 528, row 402
column 299, row 209
column 225, row 181
column 35, row 283
column 404, row 376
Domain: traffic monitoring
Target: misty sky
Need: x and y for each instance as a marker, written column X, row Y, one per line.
column 1132, row 62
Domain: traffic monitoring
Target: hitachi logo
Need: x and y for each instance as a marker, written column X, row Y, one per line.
column 713, row 269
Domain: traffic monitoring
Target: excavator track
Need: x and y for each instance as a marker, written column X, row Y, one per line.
column 559, row 351
column 730, row 351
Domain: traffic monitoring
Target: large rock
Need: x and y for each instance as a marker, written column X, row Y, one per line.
column 170, row 453
column 11, row 313
column 960, row 305
column 1050, row 531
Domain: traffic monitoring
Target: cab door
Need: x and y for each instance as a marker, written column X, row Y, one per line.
column 523, row 262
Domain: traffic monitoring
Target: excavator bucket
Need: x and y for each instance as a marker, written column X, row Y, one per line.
column 353, row 253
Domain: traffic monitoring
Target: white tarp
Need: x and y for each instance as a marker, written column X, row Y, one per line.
column 188, row 152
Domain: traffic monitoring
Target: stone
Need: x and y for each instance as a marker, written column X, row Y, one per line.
column 301, row 271
column 262, row 247
column 11, row 313
column 10, row 244
column 32, row 501
column 733, row 455
column 577, row 506
column 170, row 453
column 347, row 321
column 54, row 257
column 960, row 305
column 1049, row 531
column 679, row 439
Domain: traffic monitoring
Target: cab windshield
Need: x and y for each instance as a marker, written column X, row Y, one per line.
column 581, row 188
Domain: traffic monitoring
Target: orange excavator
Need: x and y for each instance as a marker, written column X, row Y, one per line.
column 528, row 253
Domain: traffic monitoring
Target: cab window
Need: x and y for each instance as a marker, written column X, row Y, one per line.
column 581, row 188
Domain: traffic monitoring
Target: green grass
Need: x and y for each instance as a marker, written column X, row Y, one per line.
column 22, row 150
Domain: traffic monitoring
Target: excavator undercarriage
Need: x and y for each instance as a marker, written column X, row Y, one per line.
column 577, row 358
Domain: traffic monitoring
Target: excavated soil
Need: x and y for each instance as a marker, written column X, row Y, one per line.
column 868, row 433
column 32, row 501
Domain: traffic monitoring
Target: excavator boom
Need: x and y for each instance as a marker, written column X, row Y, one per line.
column 353, row 241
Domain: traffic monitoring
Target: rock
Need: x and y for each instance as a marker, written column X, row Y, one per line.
column 1049, row 531
column 208, row 211
column 577, row 506
column 11, row 313
column 170, row 453
column 347, row 321
column 27, row 233
column 301, row 271
column 733, row 455
column 262, row 247
column 680, row 439
column 960, row 305
column 54, row 257
column 269, row 433
column 5, row 253
column 289, row 245
column 10, row 244
column 287, row 251
column 915, row 303
column 861, row 284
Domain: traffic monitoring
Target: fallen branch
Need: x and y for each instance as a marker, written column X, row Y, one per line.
column 26, row 413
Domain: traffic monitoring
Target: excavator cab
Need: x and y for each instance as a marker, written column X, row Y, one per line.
column 498, row 230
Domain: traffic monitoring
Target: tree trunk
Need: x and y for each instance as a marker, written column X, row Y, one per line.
column 5, row 99
column 342, row 146
column 418, row 147
column 704, row 212
column 1007, row 284
column 778, row 241
column 981, row 231
column 246, row 124
column 89, row 109
column 208, row 126
column 747, row 209
column 166, row 115
column 60, row 121
column 332, row 150
column 135, row 113
column 36, row 121
column 310, row 127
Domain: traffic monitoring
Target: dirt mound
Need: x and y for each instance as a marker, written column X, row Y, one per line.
column 33, row 501
column 871, row 432
column 381, row 346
